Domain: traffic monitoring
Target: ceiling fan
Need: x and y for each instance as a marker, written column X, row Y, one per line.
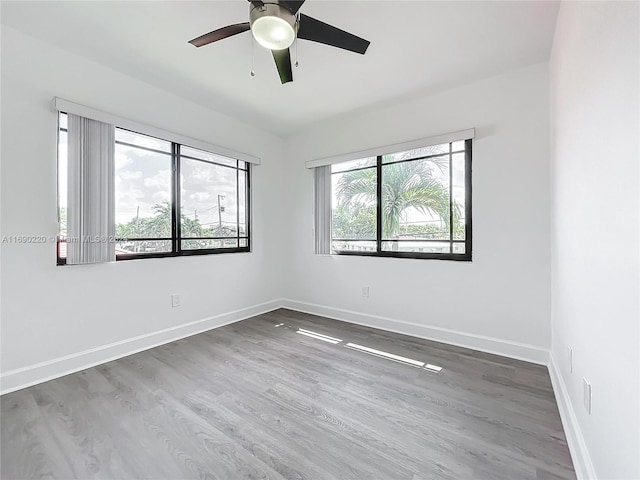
column 275, row 24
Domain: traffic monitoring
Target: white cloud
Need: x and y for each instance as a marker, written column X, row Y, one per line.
column 160, row 180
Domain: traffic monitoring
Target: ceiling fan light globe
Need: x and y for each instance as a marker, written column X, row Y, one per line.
column 273, row 32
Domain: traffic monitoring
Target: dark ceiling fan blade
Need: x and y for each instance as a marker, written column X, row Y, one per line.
column 292, row 5
column 283, row 62
column 317, row 31
column 220, row 34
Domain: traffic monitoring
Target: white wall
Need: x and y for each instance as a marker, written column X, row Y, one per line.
column 504, row 293
column 595, row 275
column 50, row 312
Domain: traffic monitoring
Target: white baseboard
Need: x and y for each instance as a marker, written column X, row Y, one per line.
column 41, row 372
column 519, row 351
column 577, row 446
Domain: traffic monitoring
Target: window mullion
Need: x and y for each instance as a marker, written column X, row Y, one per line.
column 467, row 197
column 450, row 198
column 247, row 206
column 238, row 203
column 175, row 210
column 379, row 204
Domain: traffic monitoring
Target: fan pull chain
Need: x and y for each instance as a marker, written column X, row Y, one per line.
column 253, row 73
column 296, row 40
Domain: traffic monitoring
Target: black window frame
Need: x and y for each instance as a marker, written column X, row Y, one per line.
column 176, row 239
column 468, row 240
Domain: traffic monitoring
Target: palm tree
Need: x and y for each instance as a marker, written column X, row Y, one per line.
column 404, row 185
column 160, row 224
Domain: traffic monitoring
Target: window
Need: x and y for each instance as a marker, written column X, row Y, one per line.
column 154, row 180
column 414, row 203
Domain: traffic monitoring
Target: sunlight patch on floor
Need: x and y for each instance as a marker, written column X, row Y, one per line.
column 319, row 336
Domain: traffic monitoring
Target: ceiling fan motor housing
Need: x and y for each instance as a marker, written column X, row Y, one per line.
column 272, row 25
column 276, row 24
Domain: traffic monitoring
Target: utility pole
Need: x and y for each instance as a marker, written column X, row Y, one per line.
column 220, row 209
column 138, row 227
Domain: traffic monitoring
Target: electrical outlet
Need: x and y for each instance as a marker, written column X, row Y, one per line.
column 175, row 300
column 365, row 292
column 586, row 392
column 570, row 358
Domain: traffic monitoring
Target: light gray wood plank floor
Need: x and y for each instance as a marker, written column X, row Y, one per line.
column 258, row 400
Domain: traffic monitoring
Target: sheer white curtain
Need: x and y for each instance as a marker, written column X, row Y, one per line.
column 91, row 196
column 322, row 190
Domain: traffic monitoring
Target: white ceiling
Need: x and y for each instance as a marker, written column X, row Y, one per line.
column 417, row 47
